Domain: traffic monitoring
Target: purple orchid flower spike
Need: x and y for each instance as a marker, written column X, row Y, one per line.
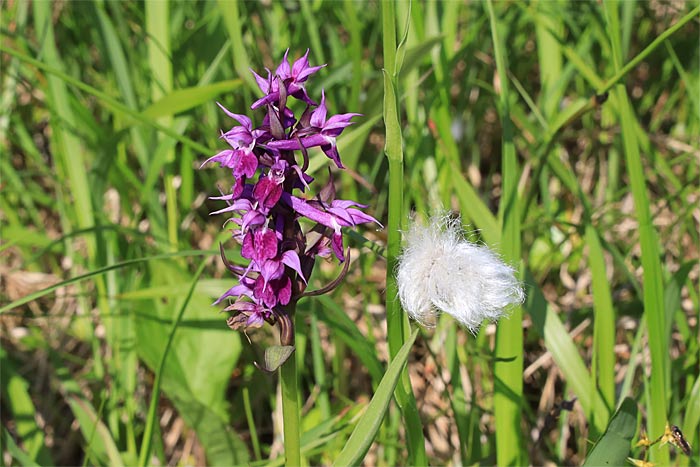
column 270, row 195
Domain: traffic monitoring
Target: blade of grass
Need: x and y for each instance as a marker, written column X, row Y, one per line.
column 621, row 71
column 112, row 103
column 652, row 273
column 565, row 353
column 160, row 64
column 15, row 451
column 549, row 54
column 366, row 429
column 603, row 321
column 151, row 417
column 17, row 399
column 122, row 76
column 508, row 351
column 74, row 280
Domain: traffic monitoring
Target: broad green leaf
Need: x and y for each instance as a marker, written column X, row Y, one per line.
column 199, row 366
column 614, row 446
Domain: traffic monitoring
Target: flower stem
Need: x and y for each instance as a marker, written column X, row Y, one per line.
column 398, row 327
column 290, row 410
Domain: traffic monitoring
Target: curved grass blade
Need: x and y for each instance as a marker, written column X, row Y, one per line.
column 367, row 427
column 152, row 410
column 97, row 272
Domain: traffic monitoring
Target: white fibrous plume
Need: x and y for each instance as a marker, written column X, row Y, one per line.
column 440, row 270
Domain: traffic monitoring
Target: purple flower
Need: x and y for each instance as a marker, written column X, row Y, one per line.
column 240, row 159
column 321, row 132
column 337, row 214
column 266, row 200
column 292, row 78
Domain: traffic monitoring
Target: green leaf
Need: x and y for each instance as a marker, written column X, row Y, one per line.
column 614, row 446
column 366, row 429
column 186, row 99
column 341, row 325
column 275, row 356
column 16, row 398
column 98, row 438
column 199, row 364
column 565, row 354
column 15, row 451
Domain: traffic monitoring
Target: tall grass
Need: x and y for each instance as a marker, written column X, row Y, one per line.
column 564, row 133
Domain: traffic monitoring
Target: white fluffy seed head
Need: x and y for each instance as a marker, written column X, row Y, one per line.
column 440, row 270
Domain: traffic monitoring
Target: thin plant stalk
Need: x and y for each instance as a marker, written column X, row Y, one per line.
column 290, row 409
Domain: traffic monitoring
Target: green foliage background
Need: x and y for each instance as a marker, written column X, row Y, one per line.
column 108, row 109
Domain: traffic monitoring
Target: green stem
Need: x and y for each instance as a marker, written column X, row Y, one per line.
column 398, row 327
column 290, row 409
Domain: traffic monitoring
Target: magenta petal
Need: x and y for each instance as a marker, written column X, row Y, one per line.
column 300, row 65
column 263, row 84
column 291, row 259
column 306, row 210
column 252, row 219
column 235, row 291
column 284, row 290
column 338, row 122
column 225, row 158
column 332, row 153
column 255, row 320
column 283, row 70
column 267, row 244
column 337, row 244
column 259, row 245
column 286, row 144
column 272, row 269
column 242, row 119
column 247, row 165
column 318, row 117
column 267, row 192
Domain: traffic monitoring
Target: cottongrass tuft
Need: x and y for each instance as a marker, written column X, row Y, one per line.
column 440, row 270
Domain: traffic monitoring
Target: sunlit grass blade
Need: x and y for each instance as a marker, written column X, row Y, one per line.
column 40, row 293
column 508, row 368
column 603, row 322
column 652, row 273
column 367, row 427
column 565, row 354
column 112, row 103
